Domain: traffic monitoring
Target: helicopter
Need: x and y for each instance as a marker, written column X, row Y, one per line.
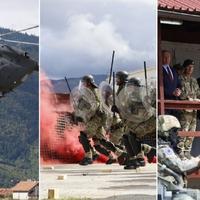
column 15, row 65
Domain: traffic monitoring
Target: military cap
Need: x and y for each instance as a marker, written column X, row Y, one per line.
column 188, row 62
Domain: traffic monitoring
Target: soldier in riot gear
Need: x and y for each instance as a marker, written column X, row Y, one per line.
column 139, row 119
column 114, row 125
column 173, row 170
column 89, row 82
column 121, row 80
column 87, row 106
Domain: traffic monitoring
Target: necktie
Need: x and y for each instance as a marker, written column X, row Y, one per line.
column 170, row 73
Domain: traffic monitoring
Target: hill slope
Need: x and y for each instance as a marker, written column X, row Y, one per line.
column 19, row 124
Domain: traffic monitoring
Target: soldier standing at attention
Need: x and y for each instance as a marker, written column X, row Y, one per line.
column 188, row 118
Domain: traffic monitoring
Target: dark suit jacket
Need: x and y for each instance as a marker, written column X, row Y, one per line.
column 170, row 85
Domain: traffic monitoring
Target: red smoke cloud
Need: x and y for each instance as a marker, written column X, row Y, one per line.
column 55, row 147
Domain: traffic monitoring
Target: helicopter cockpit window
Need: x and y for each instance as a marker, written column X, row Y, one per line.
column 27, row 55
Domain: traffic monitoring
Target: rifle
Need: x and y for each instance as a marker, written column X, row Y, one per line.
column 111, row 67
column 145, row 74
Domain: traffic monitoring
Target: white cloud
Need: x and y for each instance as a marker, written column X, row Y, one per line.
column 78, row 37
column 99, row 38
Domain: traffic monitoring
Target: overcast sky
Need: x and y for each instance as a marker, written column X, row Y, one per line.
column 78, row 36
column 19, row 14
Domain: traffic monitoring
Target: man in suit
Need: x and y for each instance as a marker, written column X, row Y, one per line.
column 170, row 78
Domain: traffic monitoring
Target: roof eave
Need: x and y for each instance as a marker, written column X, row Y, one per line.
column 178, row 15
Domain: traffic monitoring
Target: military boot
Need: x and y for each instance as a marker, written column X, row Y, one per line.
column 122, row 158
column 111, row 160
column 86, row 161
column 141, row 162
column 151, row 154
column 95, row 156
column 132, row 164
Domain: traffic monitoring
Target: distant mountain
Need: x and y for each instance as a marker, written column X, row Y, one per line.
column 60, row 86
column 32, row 49
column 19, row 120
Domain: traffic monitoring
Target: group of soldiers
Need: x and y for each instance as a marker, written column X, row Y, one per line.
column 179, row 84
column 126, row 115
column 174, row 152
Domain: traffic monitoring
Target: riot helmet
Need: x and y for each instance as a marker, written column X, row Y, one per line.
column 121, row 77
column 134, row 81
column 89, row 80
column 168, row 126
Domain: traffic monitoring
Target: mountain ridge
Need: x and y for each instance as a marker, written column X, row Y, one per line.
column 19, row 121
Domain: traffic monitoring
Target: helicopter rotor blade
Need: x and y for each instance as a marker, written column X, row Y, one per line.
column 19, row 42
column 11, row 32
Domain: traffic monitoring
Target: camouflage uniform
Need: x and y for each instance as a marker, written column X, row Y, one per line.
column 142, row 129
column 95, row 130
column 138, row 121
column 167, row 156
column 113, row 125
column 188, row 118
column 116, row 133
column 94, row 126
column 116, row 130
column 139, row 125
column 87, row 106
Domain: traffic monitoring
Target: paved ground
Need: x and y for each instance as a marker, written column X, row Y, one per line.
column 99, row 181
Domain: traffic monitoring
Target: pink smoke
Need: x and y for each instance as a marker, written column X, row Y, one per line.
column 55, row 148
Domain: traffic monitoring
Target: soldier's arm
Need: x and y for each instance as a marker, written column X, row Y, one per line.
column 197, row 89
column 184, row 91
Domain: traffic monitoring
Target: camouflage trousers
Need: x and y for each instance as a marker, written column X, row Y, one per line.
column 188, row 121
column 116, row 136
column 142, row 129
column 94, row 129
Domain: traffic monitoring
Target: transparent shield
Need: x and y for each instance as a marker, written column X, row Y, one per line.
column 84, row 102
column 134, row 104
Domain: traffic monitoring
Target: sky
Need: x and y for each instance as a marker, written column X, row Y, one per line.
column 78, row 36
column 20, row 14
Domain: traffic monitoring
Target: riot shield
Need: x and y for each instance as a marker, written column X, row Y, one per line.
column 134, row 104
column 106, row 98
column 84, row 102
